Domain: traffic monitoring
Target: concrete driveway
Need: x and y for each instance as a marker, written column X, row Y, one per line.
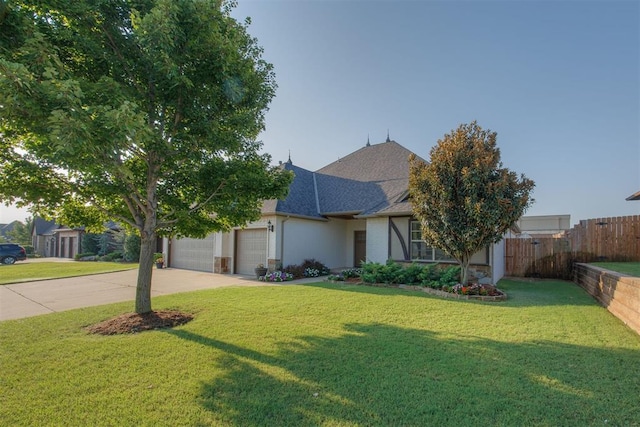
column 28, row 299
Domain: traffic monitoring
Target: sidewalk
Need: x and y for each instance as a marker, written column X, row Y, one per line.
column 28, row 299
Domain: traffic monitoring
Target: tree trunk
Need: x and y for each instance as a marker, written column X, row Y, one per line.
column 145, row 270
column 464, row 270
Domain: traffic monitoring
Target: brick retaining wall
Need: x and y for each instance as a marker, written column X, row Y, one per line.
column 618, row 293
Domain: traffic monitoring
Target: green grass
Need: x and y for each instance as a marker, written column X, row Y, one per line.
column 630, row 268
column 330, row 355
column 21, row 272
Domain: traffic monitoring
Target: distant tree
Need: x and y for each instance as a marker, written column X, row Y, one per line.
column 464, row 198
column 21, row 233
column 131, row 248
column 90, row 243
column 140, row 112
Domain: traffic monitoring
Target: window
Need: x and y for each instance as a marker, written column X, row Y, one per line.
column 420, row 250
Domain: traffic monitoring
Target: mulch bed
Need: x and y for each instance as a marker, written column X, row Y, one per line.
column 129, row 323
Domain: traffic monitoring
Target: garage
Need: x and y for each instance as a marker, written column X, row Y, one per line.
column 193, row 254
column 251, row 249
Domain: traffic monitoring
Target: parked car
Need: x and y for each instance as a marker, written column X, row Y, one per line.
column 10, row 253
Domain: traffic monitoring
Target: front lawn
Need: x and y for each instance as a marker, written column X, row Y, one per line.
column 630, row 268
column 24, row 272
column 331, row 355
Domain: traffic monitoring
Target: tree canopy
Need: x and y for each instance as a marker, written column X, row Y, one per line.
column 464, row 198
column 143, row 112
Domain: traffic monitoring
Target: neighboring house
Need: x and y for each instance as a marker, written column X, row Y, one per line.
column 5, row 229
column 42, row 237
column 52, row 240
column 68, row 241
column 352, row 210
column 542, row 226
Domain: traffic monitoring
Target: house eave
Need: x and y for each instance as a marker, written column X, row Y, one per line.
column 344, row 215
column 286, row 215
column 384, row 214
column 634, row 196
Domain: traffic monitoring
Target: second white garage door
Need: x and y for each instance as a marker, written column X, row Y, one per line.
column 193, row 254
column 251, row 250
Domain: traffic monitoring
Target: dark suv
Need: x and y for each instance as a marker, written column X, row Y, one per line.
column 10, row 253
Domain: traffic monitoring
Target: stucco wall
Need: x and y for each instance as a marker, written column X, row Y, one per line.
column 402, row 224
column 377, row 239
column 620, row 294
column 497, row 261
column 324, row 241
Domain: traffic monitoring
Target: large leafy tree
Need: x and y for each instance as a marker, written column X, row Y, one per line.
column 464, row 198
column 143, row 112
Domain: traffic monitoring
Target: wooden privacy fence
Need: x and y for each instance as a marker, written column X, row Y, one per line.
column 601, row 239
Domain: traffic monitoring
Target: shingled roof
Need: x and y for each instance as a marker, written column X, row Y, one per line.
column 368, row 182
column 43, row 227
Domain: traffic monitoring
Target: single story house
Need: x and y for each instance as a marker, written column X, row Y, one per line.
column 352, row 210
column 541, row 226
column 52, row 240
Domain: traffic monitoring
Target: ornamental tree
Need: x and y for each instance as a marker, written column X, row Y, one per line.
column 143, row 112
column 464, row 198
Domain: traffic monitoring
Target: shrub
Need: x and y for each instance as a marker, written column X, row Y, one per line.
column 450, row 276
column 411, row 275
column 132, row 248
column 113, row 256
column 78, row 257
column 352, row 273
column 373, row 272
column 312, row 264
column 295, row 270
column 28, row 249
column 311, row 272
column 308, row 268
column 90, row 243
column 430, row 275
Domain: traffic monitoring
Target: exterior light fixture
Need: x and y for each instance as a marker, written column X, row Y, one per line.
column 270, row 226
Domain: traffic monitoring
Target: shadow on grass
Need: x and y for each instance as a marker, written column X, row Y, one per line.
column 521, row 293
column 374, row 374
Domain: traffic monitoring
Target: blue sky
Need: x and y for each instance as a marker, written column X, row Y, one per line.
column 559, row 81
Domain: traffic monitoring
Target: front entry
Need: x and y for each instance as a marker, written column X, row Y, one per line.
column 359, row 248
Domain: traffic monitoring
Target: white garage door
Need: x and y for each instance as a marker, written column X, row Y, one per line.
column 193, row 254
column 251, row 250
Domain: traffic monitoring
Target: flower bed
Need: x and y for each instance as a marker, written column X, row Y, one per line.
column 494, row 295
column 277, row 276
column 429, row 278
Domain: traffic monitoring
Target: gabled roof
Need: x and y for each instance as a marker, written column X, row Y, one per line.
column 301, row 200
column 370, row 181
column 43, row 227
